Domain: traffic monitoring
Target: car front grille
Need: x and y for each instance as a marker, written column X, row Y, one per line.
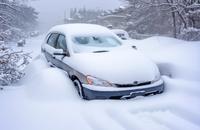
column 132, row 85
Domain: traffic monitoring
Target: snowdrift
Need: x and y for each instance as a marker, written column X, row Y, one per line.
column 175, row 58
column 48, row 83
column 47, row 100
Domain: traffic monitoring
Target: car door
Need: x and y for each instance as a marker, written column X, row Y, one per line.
column 62, row 44
column 49, row 47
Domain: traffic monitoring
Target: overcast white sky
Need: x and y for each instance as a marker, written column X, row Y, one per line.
column 52, row 11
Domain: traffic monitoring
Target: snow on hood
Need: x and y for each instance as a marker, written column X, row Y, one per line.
column 122, row 66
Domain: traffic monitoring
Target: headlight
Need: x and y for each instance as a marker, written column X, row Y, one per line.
column 157, row 77
column 97, row 82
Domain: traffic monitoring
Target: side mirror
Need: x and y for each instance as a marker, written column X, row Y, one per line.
column 60, row 52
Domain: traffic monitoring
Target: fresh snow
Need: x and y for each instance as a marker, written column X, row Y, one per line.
column 111, row 66
column 46, row 99
column 78, row 29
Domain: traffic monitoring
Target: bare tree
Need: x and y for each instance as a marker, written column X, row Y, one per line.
column 15, row 18
column 177, row 18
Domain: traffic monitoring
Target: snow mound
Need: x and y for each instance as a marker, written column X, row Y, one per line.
column 48, row 100
column 47, row 83
column 175, row 58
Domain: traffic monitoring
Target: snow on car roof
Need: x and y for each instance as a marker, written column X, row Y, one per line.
column 118, row 31
column 80, row 29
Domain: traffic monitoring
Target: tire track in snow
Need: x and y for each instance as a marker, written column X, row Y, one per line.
column 182, row 86
column 187, row 114
column 171, row 120
column 99, row 120
column 133, row 122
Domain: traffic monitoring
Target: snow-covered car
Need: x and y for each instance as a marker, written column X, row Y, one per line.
column 121, row 34
column 124, row 36
column 34, row 34
column 98, row 64
column 21, row 42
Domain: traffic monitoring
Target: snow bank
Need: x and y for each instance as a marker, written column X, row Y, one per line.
column 47, row 99
column 44, row 82
column 176, row 58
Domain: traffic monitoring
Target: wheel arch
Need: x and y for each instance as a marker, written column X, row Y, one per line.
column 77, row 75
column 73, row 77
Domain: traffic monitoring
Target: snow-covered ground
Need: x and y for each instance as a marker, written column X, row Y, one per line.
column 46, row 99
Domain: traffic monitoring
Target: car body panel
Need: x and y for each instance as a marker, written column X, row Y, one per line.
column 100, row 92
column 116, row 89
column 119, row 66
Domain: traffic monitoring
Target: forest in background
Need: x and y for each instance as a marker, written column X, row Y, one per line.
column 145, row 18
column 16, row 21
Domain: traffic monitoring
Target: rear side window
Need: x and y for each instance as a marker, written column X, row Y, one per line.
column 52, row 39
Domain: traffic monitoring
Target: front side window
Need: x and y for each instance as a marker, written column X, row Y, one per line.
column 52, row 39
column 61, row 43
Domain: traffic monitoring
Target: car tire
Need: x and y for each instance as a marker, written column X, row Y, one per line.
column 79, row 86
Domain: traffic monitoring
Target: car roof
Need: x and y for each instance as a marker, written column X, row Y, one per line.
column 118, row 31
column 80, row 29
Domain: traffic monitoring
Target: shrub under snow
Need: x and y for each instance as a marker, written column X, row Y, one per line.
column 12, row 64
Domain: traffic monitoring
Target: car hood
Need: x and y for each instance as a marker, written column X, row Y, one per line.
column 120, row 66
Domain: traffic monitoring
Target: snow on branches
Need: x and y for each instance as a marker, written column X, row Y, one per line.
column 14, row 19
column 12, row 64
column 174, row 18
column 185, row 15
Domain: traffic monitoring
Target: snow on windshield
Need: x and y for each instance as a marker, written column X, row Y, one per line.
column 93, row 43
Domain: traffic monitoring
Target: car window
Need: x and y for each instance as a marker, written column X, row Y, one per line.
column 93, row 43
column 61, row 43
column 52, row 39
column 96, row 41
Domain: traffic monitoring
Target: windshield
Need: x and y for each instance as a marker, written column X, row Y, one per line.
column 94, row 43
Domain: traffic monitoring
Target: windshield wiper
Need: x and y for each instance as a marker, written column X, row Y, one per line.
column 100, row 51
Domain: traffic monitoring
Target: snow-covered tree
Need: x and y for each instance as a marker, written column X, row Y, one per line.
column 12, row 64
column 84, row 15
column 15, row 18
column 144, row 18
column 187, row 12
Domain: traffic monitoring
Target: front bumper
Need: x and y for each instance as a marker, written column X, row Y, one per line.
column 100, row 92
